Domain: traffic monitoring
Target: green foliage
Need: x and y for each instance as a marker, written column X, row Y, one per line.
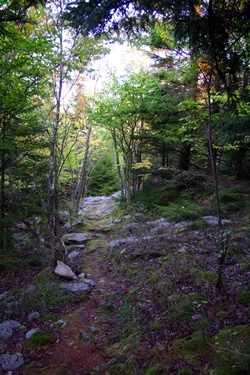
column 232, row 200
column 149, row 195
column 103, row 178
column 196, row 343
column 128, row 314
column 45, row 298
column 9, row 263
column 53, row 296
column 206, row 276
column 181, row 212
column 155, row 369
column 244, row 299
column 46, row 275
column 182, row 307
column 222, row 314
column 51, row 317
column 40, row 339
column 233, row 351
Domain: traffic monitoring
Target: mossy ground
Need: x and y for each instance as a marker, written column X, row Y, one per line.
column 157, row 308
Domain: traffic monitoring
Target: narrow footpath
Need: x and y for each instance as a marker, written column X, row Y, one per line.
column 78, row 350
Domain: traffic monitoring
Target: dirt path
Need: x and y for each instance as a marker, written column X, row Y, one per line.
column 78, row 348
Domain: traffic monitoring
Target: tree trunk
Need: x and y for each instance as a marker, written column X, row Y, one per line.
column 81, row 186
column 2, row 191
column 53, row 190
column 185, row 155
column 118, row 163
column 222, row 242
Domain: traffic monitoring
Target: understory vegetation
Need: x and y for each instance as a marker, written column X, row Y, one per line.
column 163, row 313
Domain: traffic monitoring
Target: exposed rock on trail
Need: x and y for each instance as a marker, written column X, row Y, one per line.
column 76, row 350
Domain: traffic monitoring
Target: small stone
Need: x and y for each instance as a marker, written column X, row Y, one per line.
column 6, row 333
column 213, row 220
column 76, row 287
column 90, row 282
column 61, row 323
column 33, row 316
column 82, row 275
column 3, row 295
column 74, row 254
column 31, row 332
column 182, row 250
column 183, row 224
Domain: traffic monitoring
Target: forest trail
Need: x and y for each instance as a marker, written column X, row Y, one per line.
column 155, row 298
column 78, row 348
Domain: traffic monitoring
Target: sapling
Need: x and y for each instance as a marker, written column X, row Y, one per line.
column 224, row 240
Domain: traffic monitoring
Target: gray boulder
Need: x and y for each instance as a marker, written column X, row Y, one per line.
column 33, row 316
column 183, row 224
column 76, row 287
column 77, row 238
column 75, row 261
column 7, row 327
column 123, row 241
column 213, row 220
column 11, row 362
column 64, row 271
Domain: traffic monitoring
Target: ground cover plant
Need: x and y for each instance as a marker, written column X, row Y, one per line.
column 156, row 308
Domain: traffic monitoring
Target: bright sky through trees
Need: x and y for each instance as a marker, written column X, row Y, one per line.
column 121, row 60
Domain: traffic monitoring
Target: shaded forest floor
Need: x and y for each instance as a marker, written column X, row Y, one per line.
column 154, row 309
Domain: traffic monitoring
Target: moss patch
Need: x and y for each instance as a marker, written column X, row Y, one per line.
column 45, row 276
column 40, row 339
column 233, row 351
column 244, row 299
column 182, row 307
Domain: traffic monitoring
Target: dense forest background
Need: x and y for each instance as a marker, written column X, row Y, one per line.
column 188, row 110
